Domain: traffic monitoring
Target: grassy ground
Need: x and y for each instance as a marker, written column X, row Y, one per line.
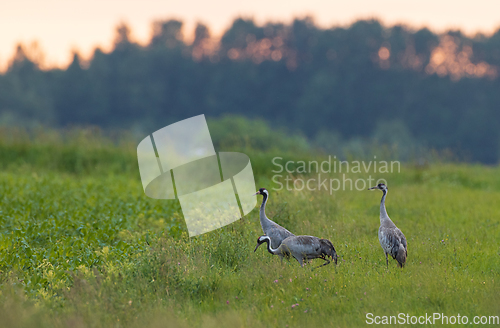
column 80, row 249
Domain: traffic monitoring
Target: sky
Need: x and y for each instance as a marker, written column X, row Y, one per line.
column 62, row 26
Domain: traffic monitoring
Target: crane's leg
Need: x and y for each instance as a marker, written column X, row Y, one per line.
column 327, row 262
column 386, row 261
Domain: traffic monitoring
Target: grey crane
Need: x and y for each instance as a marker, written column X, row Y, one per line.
column 276, row 232
column 302, row 248
column 391, row 239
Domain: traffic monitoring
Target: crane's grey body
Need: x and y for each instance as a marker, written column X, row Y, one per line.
column 276, row 232
column 392, row 240
column 302, row 248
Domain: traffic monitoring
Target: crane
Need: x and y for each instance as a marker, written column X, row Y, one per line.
column 392, row 240
column 302, row 248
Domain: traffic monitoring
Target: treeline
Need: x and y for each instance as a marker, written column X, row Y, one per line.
column 337, row 86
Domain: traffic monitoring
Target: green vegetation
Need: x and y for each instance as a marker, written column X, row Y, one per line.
column 81, row 245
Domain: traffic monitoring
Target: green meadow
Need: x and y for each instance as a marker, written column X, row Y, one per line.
column 82, row 246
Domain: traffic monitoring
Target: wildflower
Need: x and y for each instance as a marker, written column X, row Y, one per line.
column 227, row 302
column 276, row 281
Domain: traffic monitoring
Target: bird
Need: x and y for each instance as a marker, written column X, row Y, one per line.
column 271, row 229
column 302, row 248
column 392, row 240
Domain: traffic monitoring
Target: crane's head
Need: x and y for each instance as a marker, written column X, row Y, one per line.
column 261, row 240
column 380, row 186
column 261, row 191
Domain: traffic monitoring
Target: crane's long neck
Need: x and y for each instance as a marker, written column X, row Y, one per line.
column 264, row 221
column 383, row 212
column 269, row 248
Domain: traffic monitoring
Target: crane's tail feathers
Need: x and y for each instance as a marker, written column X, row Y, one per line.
column 328, row 249
column 401, row 256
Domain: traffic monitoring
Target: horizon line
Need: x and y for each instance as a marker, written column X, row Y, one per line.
column 36, row 47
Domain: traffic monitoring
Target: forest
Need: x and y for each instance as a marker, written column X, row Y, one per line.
column 331, row 86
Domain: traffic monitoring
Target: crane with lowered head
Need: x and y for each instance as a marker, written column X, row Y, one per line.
column 302, row 248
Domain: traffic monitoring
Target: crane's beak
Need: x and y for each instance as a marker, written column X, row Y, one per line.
column 376, row 187
column 256, row 247
column 257, row 193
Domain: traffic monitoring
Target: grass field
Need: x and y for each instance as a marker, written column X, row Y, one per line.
column 84, row 248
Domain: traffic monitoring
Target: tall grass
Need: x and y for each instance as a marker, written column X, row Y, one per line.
column 76, row 150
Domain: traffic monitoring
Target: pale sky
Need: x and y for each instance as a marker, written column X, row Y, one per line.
column 61, row 26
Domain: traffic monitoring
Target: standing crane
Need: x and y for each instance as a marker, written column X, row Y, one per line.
column 391, row 239
column 302, row 248
column 271, row 229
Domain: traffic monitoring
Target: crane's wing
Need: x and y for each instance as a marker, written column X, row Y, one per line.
column 402, row 238
column 304, row 244
column 391, row 239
